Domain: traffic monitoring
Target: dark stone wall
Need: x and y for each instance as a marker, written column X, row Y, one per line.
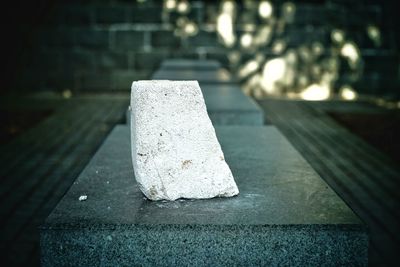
column 105, row 45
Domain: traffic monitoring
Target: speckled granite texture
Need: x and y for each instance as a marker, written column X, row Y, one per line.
column 285, row 213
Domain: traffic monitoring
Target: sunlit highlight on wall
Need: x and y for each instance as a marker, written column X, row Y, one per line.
column 265, row 9
column 346, row 92
column 337, row 36
column 252, row 84
column 170, row 4
column 331, row 64
column 273, row 73
column 316, row 70
column 288, row 11
column 184, row 27
column 291, row 57
column 305, row 53
column 191, row 29
column 183, row 7
column 302, row 80
column 248, row 68
column 228, row 7
column 181, row 22
column 374, row 34
column 246, row 40
column 234, row 57
column 263, row 36
column 317, row 48
column 278, row 46
column 350, row 51
column 225, row 23
column 225, row 29
column 269, row 61
column 316, row 92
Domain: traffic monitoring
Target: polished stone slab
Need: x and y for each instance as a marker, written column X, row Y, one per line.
column 202, row 76
column 228, row 105
column 285, row 213
column 193, row 64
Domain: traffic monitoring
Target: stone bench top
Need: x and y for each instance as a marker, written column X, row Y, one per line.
column 202, row 76
column 204, row 64
column 224, row 97
column 277, row 187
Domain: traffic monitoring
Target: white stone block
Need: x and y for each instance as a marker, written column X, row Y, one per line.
column 175, row 150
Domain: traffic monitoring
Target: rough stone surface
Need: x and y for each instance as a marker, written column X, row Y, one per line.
column 175, row 151
column 220, row 76
column 285, row 214
column 195, row 64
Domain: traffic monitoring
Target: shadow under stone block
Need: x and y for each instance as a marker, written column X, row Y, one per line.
column 183, row 64
column 203, row 76
column 285, row 213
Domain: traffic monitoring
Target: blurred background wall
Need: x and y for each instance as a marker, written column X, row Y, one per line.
column 279, row 48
